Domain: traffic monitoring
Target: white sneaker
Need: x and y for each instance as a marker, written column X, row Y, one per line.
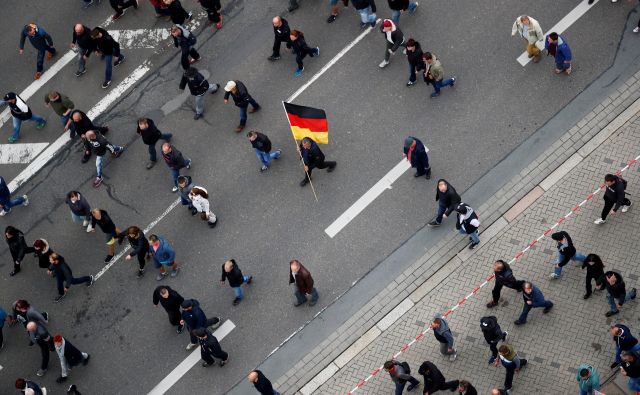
column 191, row 346
column 614, row 1
column 3, row 213
column 599, row 221
column 553, row 276
column 383, row 64
column 89, row 228
column 636, row 30
column 86, row 223
column 624, row 209
column 26, row 201
column 174, row 189
column 453, row 356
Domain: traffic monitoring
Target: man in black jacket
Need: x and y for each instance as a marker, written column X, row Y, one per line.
column 102, row 219
column 150, row 135
column 99, row 146
column 17, row 247
column 566, row 252
column 20, row 112
column 414, row 57
column 210, row 348
column 84, row 45
column 261, row 383
column 64, row 276
column 242, row 99
column 262, row 146
column 447, row 199
column 171, row 301
column 281, row 31
column 503, row 278
column 107, row 47
column 69, row 356
column 616, row 288
column 198, row 86
column 174, row 159
column 139, row 246
column 80, row 125
column 614, row 197
column 467, row 224
column 313, row 157
column 39, row 335
column 41, row 41
column 492, row 335
column 213, row 8
column 185, row 40
column 394, row 39
column 434, row 379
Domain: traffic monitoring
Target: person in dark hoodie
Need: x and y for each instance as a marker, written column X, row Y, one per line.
column 313, row 157
column 101, row 218
column 6, row 203
column 20, row 112
column 631, row 368
column 198, row 86
column 210, row 349
column 177, row 13
column 185, row 40
column 434, row 379
column 616, row 288
column 80, row 125
column 261, row 383
column 533, row 298
column 400, row 373
column 241, row 98
column 231, row 272
column 175, row 161
column 185, row 184
column 150, row 135
column 262, row 146
column 171, row 301
column 400, row 6
column 614, row 197
column 42, row 251
column 301, row 49
column 503, row 278
column 566, row 252
column 194, row 318
column 80, row 209
column 139, row 246
column 85, row 45
column 443, row 335
column 414, row 57
column 595, row 271
column 41, row 41
column 447, row 198
column 492, row 335
column 624, row 340
column 557, row 46
column 416, row 154
column 213, row 7
column 465, row 388
column 17, row 246
column 107, row 48
column 121, row 6
column 367, row 11
column 468, row 223
column 393, row 38
column 281, row 32
column 99, row 146
column 64, row 276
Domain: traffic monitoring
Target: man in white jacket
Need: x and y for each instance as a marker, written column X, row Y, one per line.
column 529, row 29
column 200, row 201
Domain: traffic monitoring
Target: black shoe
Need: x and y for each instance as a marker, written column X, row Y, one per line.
column 293, row 7
column 304, row 182
column 80, row 73
column 45, row 315
column 610, row 313
column 411, row 387
column 591, row 1
column 332, row 18
column 473, row 245
column 179, row 329
column 213, row 224
column 59, row 298
column 14, row 272
column 197, row 116
column 518, row 322
column 222, row 363
column 140, row 273
column 236, row 301
column 86, row 360
column 86, row 156
column 273, row 58
column 61, row 380
column 586, row 296
column 332, row 168
column 194, row 211
column 108, row 258
column 547, row 309
column 434, row 223
column 91, row 281
column 418, row 175
column 72, row 389
column 118, row 62
column 106, row 84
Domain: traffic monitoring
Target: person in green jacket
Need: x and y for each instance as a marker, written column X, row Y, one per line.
column 434, row 74
column 61, row 105
column 588, row 379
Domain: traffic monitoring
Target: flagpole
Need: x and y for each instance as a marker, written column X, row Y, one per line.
column 299, row 153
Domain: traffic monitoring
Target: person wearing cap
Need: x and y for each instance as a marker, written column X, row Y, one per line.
column 150, row 136
column 210, row 349
column 6, row 203
column 194, row 318
column 566, row 252
column 139, row 246
column 17, row 247
column 313, row 157
column 99, row 146
column 28, row 387
column 102, row 219
column 69, row 356
column 41, row 41
column 393, row 38
column 231, row 272
column 281, row 32
column 304, row 285
column 443, row 335
column 261, row 383
column 400, row 6
column 42, row 251
column 468, row 223
column 20, row 112
column 175, row 161
column 242, row 99
column 61, row 105
column 80, row 209
column 198, row 87
column 434, row 74
column 171, row 301
column 367, row 11
column 163, row 256
column 80, row 125
column 416, row 154
column 533, row 298
column 447, row 199
column 64, row 276
column 200, row 201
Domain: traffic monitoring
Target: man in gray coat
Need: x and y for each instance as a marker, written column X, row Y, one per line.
column 400, row 374
column 443, row 334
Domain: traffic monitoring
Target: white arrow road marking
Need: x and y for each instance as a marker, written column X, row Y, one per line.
column 189, row 362
column 140, row 38
column 20, row 153
column 560, row 27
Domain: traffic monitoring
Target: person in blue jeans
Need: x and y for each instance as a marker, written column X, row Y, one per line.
column 20, row 112
column 533, row 298
column 434, row 74
column 468, row 223
column 262, row 145
column 150, row 136
column 617, row 293
column 41, row 41
column 624, row 341
column 231, row 272
column 6, row 203
column 447, row 198
column 367, row 11
column 557, row 46
column 400, row 374
column 108, row 48
column 400, row 6
column 184, row 186
column 566, row 252
column 241, row 97
column 631, row 369
column 175, row 161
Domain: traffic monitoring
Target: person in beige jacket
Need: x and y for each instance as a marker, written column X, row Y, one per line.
column 529, row 29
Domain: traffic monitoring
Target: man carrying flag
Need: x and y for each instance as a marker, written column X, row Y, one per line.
column 313, row 157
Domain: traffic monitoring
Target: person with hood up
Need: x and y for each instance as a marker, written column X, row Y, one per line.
column 241, row 98
column 231, row 272
column 80, row 209
column 400, row 373
column 6, row 203
column 200, row 202
column 394, row 39
column 171, row 301
column 595, row 271
column 434, row 379
column 177, row 13
column 64, row 277
column 42, row 251
column 503, row 278
column 210, row 349
column 588, row 379
column 367, row 11
column 618, row 294
column 529, row 29
column 512, row 363
column 416, row 154
column 468, row 223
column 194, row 318
column 41, row 41
column 443, row 335
column 447, row 198
column 614, row 197
column 163, row 256
column 566, row 252
column 69, row 356
column 20, row 112
column 533, row 298
column 434, row 74
column 185, row 184
column 301, row 49
column 557, row 46
column 17, row 246
column 139, row 246
column 400, row 6
column 185, row 40
column 99, row 146
column 150, row 136
column 414, row 57
column 492, row 335
column 198, row 87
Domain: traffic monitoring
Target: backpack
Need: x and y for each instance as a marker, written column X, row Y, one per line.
column 624, row 182
column 406, row 367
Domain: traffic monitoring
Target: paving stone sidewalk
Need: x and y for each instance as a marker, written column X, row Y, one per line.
column 574, row 332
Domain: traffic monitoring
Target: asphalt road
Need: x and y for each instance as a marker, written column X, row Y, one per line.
column 267, row 219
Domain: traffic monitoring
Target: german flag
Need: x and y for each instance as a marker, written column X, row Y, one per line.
column 308, row 122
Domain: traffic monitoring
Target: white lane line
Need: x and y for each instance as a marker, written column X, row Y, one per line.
column 561, row 26
column 20, row 153
column 140, row 38
column 366, row 199
column 98, row 109
column 189, row 362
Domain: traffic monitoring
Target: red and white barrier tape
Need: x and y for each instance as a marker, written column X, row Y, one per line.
column 519, row 255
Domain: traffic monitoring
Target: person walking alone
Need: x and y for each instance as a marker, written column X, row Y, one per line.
column 588, row 379
column 20, row 112
column 41, row 41
column 529, row 29
column 301, row 277
column 80, row 209
column 69, row 356
column 171, row 301
column 231, row 272
column 443, row 335
column 200, row 201
column 492, row 335
column 210, row 349
column 242, row 99
column 556, row 46
column 175, row 161
column 139, row 246
column 468, row 223
column 595, row 271
column 103, row 220
column 414, row 57
column 17, row 247
column 261, row 383
column 185, row 40
column 616, row 289
column 107, row 48
column 262, row 146
column 512, row 363
column 533, row 298
column 503, row 278
column 400, row 374
column 434, row 73
column 163, row 256
column 64, row 277
column 99, row 146
column 416, row 154
column 566, row 252
column 313, row 157
column 39, row 335
column 301, row 49
column 394, row 39
column 198, row 87
column 614, row 197
column 282, row 34
column 447, row 198
column 150, row 136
